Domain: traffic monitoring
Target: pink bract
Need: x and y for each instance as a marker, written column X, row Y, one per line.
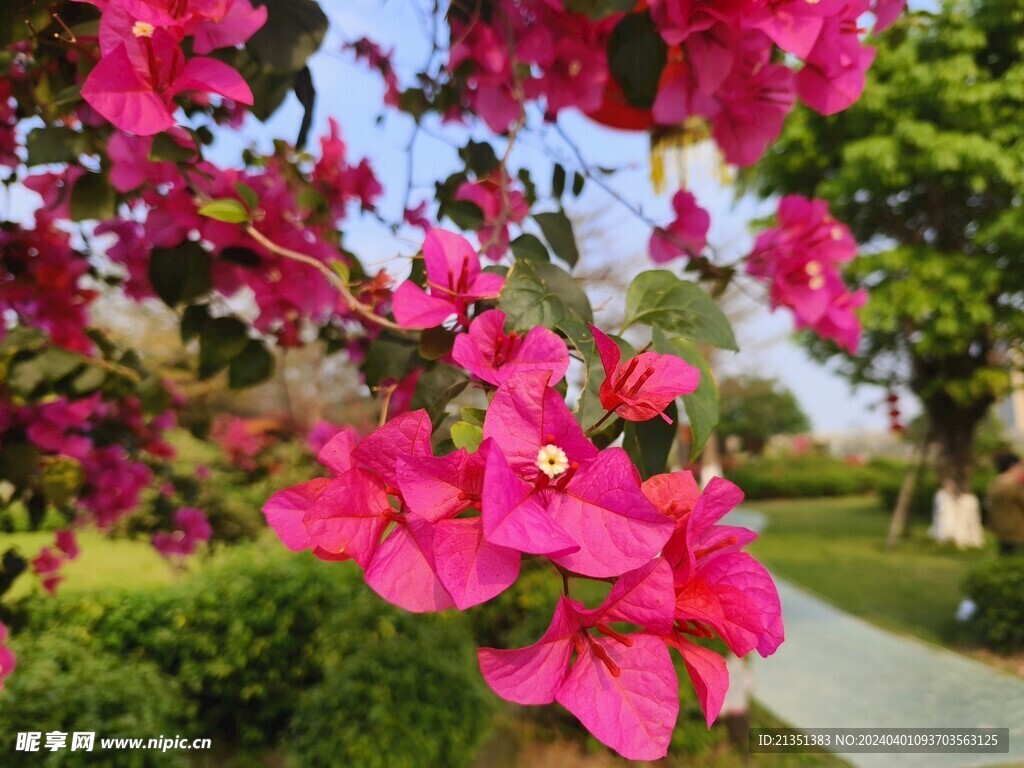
column 494, row 356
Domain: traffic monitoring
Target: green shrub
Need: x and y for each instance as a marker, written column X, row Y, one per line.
column 64, row 685
column 997, row 589
column 399, row 691
column 801, row 477
column 923, row 500
column 238, row 637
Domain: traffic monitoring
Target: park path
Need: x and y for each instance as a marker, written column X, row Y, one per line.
column 836, row 670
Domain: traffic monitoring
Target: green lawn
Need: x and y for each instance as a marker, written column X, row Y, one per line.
column 103, row 563
column 835, row 548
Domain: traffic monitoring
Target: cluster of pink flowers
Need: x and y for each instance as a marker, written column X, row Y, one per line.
column 800, row 259
column 686, row 236
column 191, row 528
column 47, row 564
column 501, row 206
column 113, row 478
column 242, row 440
column 433, row 532
column 721, row 64
column 143, row 67
column 297, row 209
column 40, row 283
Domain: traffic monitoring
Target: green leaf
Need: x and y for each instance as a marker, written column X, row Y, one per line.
column 61, row 480
column 649, row 443
column 154, row 396
column 702, row 405
column 388, row 358
column 543, row 294
column 474, row 416
column 529, row 248
column 466, row 435
column 55, row 363
column 165, row 149
column 89, row 380
column 227, row 209
column 293, row 32
column 253, row 366
column 180, row 274
column 679, row 307
column 435, row 343
column 18, row 463
column 464, row 214
column 636, row 57
column 192, row 321
column 578, row 180
column 248, row 195
column 55, row 144
column 221, row 341
column 558, row 180
column 92, row 197
column 436, row 388
column 479, row 157
column 598, row 9
column 558, row 232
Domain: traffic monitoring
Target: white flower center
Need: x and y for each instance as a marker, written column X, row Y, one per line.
column 143, row 29
column 552, row 461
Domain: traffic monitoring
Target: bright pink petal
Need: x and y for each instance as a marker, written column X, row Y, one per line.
column 451, row 260
column 403, row 572
column 336, row 454
column 516, row 517
column 533, row 674
column 645, row 385
column 436, row 488
column 736, row 595
column 486, row 285
column 604, row 510
column 122, row 95
column 285, row 509
column 645, row 597
column 708, row 673
column 472, row 570
column 349, row 516
column 525, row 415
column 207, row 75
column 674, row 494
column 237, row 25
column 494, row 356
column 633, row 712
column 415, row 309
column 607, row 349
column 403, row 436
column 718, row 499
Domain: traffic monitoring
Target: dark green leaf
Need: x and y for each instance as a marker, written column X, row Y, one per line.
column 702, row 404
column 180, row 274
column 18, row 462
column 55, row 363
column 479, row 158
column 529, row 248
column 167, row 149
column 464, row 214
column 221, row 341
column 55, row 144
column 253, row 366
column 578, row 180
column 388, row 358
column 678, row 307
column 558, row 180
column 153, row 395
column 436, row 388
column 636, row 57
column 248, row 195
column 598, row 9
column 92, row 197
column 543, row 294
column 89, row 380
column 293, row 32
column 558, row 232
column 435, row 343
column 192, row 321
column 474, row 416
column 648, row 443
column 240, row 255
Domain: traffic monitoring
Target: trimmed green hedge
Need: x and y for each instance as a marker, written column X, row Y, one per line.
column 805, row 477
column 997, row 589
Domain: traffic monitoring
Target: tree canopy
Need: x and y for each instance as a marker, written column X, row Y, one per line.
column 928, row 170
column 755, row 409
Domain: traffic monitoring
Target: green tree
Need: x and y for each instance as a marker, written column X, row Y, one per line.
column 928, row 170
column 754, row 409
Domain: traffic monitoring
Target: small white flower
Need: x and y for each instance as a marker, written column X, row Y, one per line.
column 552, row 461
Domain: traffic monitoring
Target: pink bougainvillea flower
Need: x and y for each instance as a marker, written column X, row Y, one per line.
column 686, row 236
column 8, row 661
column 493, row 355
column 643, row 386
column 46, row 565
column 840, row 322
column 717, row 585
column 191, row 528
column 140, row 99
column 833, row 75
column 793, row 25
column 454, row 280
column 622, row 687
column 498, row 212
column 549, row 491
column 65, row 541
column 239, row 22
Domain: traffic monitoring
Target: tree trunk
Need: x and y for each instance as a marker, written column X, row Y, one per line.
column 953, row 426
column 901, row 512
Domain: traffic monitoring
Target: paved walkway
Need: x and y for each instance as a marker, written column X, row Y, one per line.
column 836, row 670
